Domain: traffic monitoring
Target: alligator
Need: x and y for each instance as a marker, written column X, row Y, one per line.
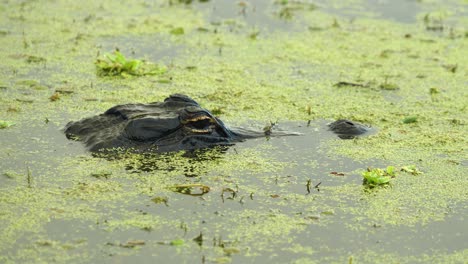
column 177, row 123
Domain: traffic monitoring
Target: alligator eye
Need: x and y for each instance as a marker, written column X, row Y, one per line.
column 201, row 124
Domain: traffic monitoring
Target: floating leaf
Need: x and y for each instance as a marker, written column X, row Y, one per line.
column 391, row 171
column 328, row 213
column 378, row 177
column 177, row 242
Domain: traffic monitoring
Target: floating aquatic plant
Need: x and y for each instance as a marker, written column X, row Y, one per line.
column 116, row 64
column 5, row 124
column 378, row 177
column 177, row 242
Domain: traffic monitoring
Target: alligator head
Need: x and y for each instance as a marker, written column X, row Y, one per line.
column 178, row 123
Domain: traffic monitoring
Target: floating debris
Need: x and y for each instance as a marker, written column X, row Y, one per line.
column 175, row 242
column 388, row 86
column 102, row 174
column 194, row 189
column 56, row 96
column 337, row 173
column 411, row 169
column 133, row 243
column 199, row 239
column 350, row 84
column 35, row 59
column 160, row 199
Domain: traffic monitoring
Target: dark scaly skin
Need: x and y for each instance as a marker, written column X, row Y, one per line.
column 178, row 123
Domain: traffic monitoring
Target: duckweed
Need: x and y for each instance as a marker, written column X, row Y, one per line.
column 285, row 73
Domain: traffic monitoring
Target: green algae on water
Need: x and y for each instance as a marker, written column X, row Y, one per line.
column 275, row 77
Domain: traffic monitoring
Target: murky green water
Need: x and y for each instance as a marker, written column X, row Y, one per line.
column 284, row 200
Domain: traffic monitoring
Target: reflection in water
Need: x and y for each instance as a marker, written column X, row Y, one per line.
column 190, row 163
column 193, row 163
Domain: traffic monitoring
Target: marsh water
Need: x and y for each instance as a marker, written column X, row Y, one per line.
column 293, row 199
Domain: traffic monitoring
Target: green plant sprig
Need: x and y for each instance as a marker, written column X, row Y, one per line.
column 116, row 64
column 378, row 177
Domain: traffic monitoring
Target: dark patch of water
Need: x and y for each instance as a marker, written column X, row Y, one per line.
column 161, row 50
column 266, row 14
